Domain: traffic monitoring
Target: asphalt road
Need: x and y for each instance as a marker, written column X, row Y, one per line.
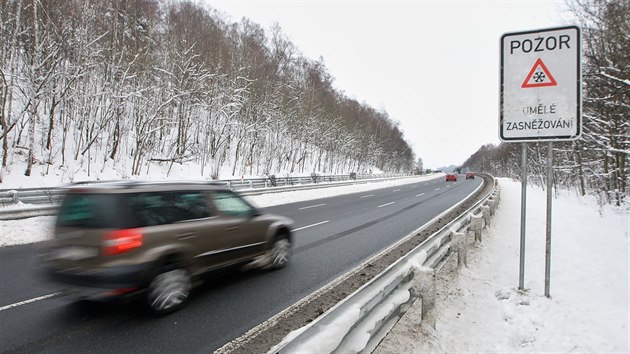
column 332, row 236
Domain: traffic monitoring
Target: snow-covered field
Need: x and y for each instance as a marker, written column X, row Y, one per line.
column 479, row 309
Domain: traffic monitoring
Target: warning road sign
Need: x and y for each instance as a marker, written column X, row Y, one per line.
column 539, row 76
column 541, row 85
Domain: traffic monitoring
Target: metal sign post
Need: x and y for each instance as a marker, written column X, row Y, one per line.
column 521, row 273
column 540, row 100
column 548, row 225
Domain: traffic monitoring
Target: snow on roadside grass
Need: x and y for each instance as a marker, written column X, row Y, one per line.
column 481, row 310
column 17, row 232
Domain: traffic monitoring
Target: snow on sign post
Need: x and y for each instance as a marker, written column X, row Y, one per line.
column 541, row 85
column 540, row 101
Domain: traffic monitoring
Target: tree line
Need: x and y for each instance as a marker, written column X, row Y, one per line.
column 127, row 84
column 598, row 162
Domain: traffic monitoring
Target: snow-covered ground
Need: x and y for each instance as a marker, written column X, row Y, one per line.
column 479, row 309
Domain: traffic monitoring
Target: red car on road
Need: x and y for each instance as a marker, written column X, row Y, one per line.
column 470, row 175
column 451, row 177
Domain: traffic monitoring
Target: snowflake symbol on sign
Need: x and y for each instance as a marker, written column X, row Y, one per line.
column 539, row 76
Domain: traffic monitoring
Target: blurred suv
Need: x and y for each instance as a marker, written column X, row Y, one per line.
column 123, row 238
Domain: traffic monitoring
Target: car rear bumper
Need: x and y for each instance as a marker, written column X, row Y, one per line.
column 112, row 282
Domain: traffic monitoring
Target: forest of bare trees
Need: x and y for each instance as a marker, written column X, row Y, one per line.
column 598, row 162
column 128, row 84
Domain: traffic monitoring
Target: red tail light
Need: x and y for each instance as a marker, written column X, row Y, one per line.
column 121, row 241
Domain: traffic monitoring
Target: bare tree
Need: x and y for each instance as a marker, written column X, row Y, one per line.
column 175, row 83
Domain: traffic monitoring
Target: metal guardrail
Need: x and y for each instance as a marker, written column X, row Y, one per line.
column 361, row 320
column 47, row 199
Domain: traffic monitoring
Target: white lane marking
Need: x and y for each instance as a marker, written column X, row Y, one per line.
column 312, row 206
column 367, row 196
column 307, row 226
column 28, row 301
column 437, row 189
column 396, row 190
column 419, row 195
column 380, row 206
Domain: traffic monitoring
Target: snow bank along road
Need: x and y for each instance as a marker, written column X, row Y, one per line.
column 332, row 236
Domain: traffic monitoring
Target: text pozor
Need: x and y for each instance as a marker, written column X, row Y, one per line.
column 540, row 44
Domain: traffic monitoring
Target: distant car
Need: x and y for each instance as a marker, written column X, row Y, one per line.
column 119, row 239
column 470, row 175
column 451, row 177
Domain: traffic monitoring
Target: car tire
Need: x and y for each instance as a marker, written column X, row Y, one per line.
column 169, row 290
column 280, row 252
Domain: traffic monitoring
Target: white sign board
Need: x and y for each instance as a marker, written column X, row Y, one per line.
column 541, row 85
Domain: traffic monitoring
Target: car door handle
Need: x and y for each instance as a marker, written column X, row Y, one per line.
column 186, row 235
column 231, row 228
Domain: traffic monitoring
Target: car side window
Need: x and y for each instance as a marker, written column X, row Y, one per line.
column 168, row 207
column 231, row 204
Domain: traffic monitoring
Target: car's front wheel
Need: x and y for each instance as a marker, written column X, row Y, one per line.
column 168, row 291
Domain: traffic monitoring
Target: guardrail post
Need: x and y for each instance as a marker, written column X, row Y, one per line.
column 462, row 249
column 476, row 225
column 427, row 290
column 470, row 234
column 485, row 211
column 494, row 203
column 491, row 204
column 497, row 197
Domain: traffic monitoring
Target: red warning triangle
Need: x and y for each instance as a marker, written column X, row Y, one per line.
column 539, row 76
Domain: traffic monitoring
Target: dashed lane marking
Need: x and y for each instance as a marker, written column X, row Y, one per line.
column 28, row 301
column 312, row 225
column 312, row 206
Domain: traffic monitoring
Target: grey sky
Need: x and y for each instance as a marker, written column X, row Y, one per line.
column 432, row 65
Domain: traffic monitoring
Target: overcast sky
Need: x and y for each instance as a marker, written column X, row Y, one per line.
column 432, row 65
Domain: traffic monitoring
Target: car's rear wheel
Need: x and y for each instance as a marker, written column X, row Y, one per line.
column 169, row 290
column 280, row 252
